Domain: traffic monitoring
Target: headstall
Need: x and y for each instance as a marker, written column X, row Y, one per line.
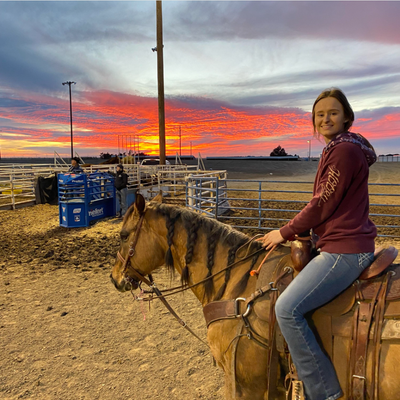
column 131, row 253
column 149, row 281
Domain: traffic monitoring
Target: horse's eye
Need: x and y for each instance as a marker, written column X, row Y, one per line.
column 124, row 236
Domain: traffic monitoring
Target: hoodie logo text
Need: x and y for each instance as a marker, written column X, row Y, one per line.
column 329, row 187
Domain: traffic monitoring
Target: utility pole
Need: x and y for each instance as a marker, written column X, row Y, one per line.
column 69, row 83
column 160, row 78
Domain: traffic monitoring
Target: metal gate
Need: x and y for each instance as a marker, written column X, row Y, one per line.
column 251, row 201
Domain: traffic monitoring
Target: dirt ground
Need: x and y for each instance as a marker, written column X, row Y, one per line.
column 66, row 333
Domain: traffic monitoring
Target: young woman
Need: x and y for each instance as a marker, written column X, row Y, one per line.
column 338, row 216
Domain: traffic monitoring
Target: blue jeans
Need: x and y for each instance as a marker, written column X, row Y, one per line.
column 322, row 279
column 121, row 196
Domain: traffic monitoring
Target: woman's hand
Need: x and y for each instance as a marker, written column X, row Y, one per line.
column 271, row 239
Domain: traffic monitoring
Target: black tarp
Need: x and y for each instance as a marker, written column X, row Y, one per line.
column 46, row 190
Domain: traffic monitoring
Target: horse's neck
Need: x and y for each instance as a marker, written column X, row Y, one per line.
column 200, row 255
column 199, row 264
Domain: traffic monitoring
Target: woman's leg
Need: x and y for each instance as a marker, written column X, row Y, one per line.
column 323, row 278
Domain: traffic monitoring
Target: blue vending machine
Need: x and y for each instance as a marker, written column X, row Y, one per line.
column 85, row 198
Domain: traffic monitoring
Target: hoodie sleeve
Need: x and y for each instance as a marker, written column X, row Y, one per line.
column 342, row 163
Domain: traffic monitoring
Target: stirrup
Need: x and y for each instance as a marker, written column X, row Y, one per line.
column 298, row 390
column 294, row 387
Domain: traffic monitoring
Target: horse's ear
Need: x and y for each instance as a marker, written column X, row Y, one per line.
column 158, row 198
column 140, row 203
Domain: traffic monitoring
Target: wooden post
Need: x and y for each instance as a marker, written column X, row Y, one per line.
column 160, row 76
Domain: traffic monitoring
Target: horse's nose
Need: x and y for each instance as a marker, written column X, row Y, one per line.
column 112, row 280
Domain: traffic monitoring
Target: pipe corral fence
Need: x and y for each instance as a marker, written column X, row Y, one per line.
column 250, row 205
column 393, row 158
column 260, row 205
column 18, row 181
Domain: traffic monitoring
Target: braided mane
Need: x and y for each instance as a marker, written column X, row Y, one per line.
column 215, row 232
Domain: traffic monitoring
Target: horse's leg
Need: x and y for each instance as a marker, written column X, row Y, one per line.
column 246, row 375
column 250, row 390
column 251, row 367
column 243, row 361
column 221, row 336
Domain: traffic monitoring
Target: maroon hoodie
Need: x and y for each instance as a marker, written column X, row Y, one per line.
column 338, row 211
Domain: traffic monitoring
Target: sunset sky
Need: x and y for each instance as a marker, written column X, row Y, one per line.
column 240, row 77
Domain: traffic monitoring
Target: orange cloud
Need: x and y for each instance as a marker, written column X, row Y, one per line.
column 105, row 121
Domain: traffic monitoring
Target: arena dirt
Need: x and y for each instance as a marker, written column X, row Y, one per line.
column 66, row 333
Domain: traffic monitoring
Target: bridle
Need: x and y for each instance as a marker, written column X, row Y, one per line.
column 149, row 282
column 131, row 253
column 142, row 278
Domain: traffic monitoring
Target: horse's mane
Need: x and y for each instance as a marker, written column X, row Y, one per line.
column 215, row 232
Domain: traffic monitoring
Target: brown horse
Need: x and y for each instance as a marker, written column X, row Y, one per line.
column 198, row 248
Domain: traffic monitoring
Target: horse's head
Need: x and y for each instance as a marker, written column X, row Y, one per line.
column 140, row 252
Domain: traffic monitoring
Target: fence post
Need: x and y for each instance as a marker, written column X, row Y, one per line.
column 212, row 195
column 186, row 192
column 174, row 173
column 190, row 190
column 159, row 180
column 12, row 192
column 199, row 194
column 259, row 204
column 216, row 198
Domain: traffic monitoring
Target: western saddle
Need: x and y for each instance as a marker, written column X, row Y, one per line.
column 367, row 297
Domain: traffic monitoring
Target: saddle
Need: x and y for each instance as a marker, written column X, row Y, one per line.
column 364, row 327
column 333, row 323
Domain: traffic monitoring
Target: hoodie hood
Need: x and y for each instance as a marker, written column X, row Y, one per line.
column 358, row 140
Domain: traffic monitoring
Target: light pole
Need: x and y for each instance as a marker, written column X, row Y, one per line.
column 69, row 83
column 309, row 150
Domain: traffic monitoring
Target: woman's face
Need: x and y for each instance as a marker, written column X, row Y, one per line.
column 329, row 118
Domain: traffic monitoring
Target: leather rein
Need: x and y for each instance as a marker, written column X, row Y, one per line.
column 150, row 282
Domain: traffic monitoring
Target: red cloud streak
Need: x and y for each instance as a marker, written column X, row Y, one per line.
column 40, row 125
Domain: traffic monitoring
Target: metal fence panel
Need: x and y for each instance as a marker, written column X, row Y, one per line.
column 214, row 196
